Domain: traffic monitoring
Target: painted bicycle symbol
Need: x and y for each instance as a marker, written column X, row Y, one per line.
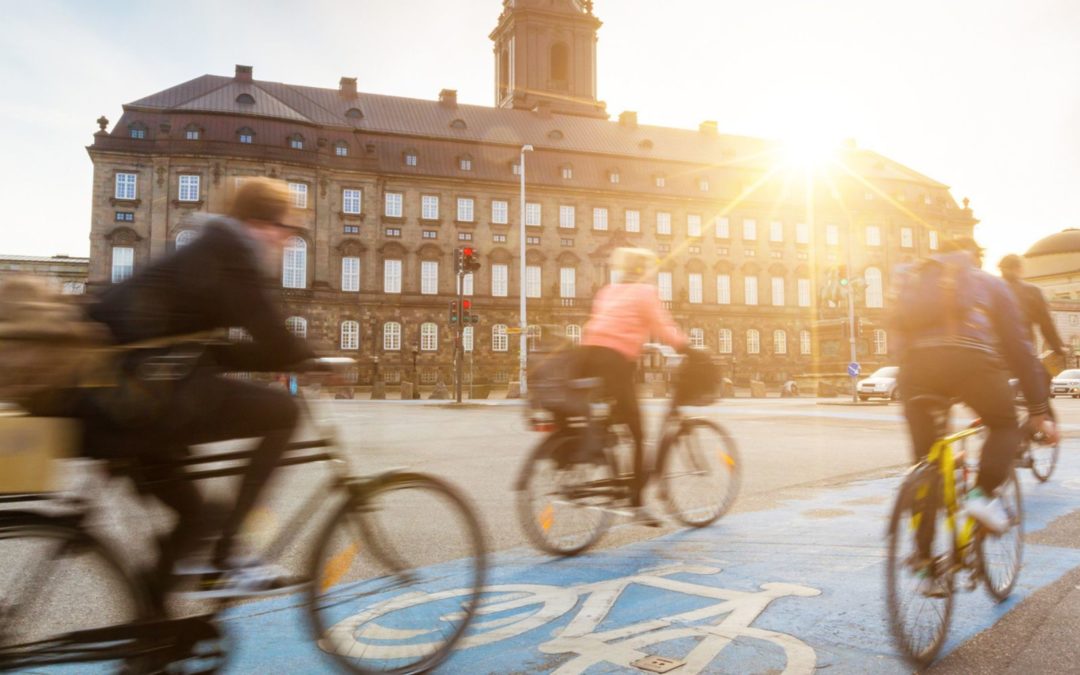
column 511, row 610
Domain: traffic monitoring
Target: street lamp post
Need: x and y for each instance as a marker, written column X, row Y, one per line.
column 416, row 381
column 523, row 319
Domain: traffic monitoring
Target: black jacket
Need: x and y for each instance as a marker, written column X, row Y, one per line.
column 1035, row 311
column 212, row 283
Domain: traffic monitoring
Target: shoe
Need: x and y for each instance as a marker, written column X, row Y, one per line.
column 931, row 585
column 988, row 512
column 641, row 515
column 242, row 581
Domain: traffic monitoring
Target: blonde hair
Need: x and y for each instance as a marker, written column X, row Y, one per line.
column 633, row 264
column 261, row 199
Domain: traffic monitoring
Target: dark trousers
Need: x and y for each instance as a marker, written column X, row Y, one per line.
column 617, row 371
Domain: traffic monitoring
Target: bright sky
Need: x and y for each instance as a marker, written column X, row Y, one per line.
column 982, row 95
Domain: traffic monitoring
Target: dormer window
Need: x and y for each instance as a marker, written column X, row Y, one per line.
column 465, row 163
column 410, row 158
column 245, row 99
column 245, row 135
column 192, row 133
column 613, row 176
column 137, row 130
column 661, row 181
column 458, row 124
column 646, row 144
column 341, row 149
column 567, row 172
column 703, row 185
column 354, row 114
column 296, row 142
column 555, row 135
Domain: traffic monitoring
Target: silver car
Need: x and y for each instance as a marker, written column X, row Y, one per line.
column 1067, row 383
column 882, row 384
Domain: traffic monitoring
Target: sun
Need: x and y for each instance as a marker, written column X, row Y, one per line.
column 808, row 152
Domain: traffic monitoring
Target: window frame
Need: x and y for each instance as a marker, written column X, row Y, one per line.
column 392, row 272
column 394, row 199
column 183, row 192
column 391, row 336
column 352, row 197
column 294, row 259
column 429, row 277
column 349, row 335
column 121, row 186
column 350, row 274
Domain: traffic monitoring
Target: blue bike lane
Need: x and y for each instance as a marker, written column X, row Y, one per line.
column 794, row 589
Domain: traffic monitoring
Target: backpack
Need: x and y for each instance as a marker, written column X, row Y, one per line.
column 933, row 293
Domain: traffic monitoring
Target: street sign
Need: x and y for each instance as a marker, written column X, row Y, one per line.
column 513, row 330
column 853, row 369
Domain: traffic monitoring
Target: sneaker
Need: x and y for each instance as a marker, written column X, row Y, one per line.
column 931, row 585
column 987, row 511
column 243, row 581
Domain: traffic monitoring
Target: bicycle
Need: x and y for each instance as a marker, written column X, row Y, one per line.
column 47, row 548
column 921, row 576
column 577, row 478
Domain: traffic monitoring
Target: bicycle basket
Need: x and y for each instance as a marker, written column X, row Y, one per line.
column 29, row 448
column 696, row 380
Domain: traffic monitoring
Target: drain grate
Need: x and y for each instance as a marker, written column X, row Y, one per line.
column 657, row 664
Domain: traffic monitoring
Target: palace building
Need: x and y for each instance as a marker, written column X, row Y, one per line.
column 753, row 249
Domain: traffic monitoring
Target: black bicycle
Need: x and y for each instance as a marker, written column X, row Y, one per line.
column 67, row 596
column 580, row 474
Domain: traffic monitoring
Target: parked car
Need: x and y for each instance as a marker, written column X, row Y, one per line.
column 882, row 384
column 1067, row 383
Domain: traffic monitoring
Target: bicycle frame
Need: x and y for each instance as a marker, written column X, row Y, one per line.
column 942, row 456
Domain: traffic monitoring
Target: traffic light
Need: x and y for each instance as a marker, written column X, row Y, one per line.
column 841, row 275
column 459, row 261
column 454, row 311
column 858, row 328
column 470, row 260
column 467, row 317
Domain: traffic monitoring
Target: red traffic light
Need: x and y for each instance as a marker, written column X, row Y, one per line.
column 467, row 251
column 466, row 304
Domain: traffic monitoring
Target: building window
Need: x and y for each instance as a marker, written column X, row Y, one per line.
column 906, row 238
column 350, row 274
column 123, row 263
column 465, row 163
column 749, row 229
column 567, row 172
column 532, row 215
column 191, row 134
column 724, row 343
column 499, row 341
column 532, row 241
column 350, row 335
column 567, row 282
column 125, row 217
column 73, row 288
column 804, row 292
column 694, row 250
column 933, row 240
column 391, row 337
column 613, row 177
column 467, row 338
column 723, row 289
column 873, row 235
column 695, row 284
column 881, row 341
column 532, row 281
column 567, row 218
column 410, row 159
column 533, row 334
column 779, row 342
column 429, row 207
column 297, row 325
column 340, row 149
column 429, row 277
column 566, row 243
column 778, row 291
column 633, row 220
column 125, row 186
column 750, row 290
column 294, row 263
column 874, row 295
column 299, row 194
column 465, row 209
column 429, row 337
column 296, row 142
column 661, row 181
column 467, row 280
column 599, row 218
column 393, row 207
column 663, row 222
column 433, row 234
column 776, row 231
column 246, row 135
column 138, row 132
column 351, row 201
column 391, row 276
column 693, row 225
column 832, row 235
column 189, row 188
column 351, row 229
column 804, row 342
column 663, row 283
column 697, row 338
column 500, row 211
column 802, row 233
column 723, row 228
column 703, row 185
column 496, row 238
column 392, row 232
column 184, row 238
column 515, row 169
column 753, row 341
column 499, row 274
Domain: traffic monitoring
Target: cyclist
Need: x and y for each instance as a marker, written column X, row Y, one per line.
column 959, row 352
column 1033, row 307
column 217, row 281
column 624, row 315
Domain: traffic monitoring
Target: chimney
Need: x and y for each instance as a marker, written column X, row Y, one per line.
column 448, row 97
column 243, row 73
column 708, row 127
column 347, row 87
column 628, row 119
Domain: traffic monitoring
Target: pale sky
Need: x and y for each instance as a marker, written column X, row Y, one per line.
column 982, row 95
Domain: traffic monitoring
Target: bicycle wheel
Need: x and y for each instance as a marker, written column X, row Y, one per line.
column 381, row 569
column 699, row 472
column 1043, row 460
column 55, row 579
column 1000, row 556
column 563, row 505
column 918, row 583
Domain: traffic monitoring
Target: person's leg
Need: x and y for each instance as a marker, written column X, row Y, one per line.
column 618, row 374
column 986, row 389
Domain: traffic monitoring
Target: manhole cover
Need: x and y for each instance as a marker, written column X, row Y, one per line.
column 657, row 664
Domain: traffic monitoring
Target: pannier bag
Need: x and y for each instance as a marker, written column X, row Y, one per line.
column 29, row 450
column 549, row 384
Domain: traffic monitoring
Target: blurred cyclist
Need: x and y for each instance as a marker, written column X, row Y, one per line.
column 1033, row 308
column 624, row 316
column 215, row 282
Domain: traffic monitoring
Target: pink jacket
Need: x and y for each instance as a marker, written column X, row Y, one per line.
column 624, row 316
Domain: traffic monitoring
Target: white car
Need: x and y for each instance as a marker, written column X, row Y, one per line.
column 1067, row 383
column 882, row 384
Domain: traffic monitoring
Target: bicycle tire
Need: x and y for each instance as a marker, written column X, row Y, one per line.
column 1000, row 585
column 724, row 466
column 551, row 460
column 1043, row 471
column 386, row 583
column 901, row 576
column 51, row 547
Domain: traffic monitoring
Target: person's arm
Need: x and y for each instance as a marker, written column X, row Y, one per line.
column 1015, row 348
column 660, row 322
column 1046, row 323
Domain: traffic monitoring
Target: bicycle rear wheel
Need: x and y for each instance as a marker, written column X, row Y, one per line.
column 563, row 504
column 918, row 583
column 1000, row 556
column 699, row 472
column 55, row 579
column 396, row 574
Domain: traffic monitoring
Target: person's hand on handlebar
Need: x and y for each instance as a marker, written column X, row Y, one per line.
column 1044, row 429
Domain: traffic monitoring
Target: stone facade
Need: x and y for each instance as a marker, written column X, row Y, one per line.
column 63, row 273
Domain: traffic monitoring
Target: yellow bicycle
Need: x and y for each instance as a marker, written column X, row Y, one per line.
column 933, row 544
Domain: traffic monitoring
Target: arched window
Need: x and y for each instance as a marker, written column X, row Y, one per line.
column 429, row 337
column 573, row 334
column 245, row 135
column 874, row 295
column 753, row 341
column 350, row 335
column 881, row 342
column 458, row 124
column 560, row 63
column 533, row 334
column 297, row 325
column 499, row 341
column 724, row 345
column 354, row 114
column 245, row 99
column 296, row 142
column 294, row 263
column 804, row 342
column 341, row 149
column 697, row 338
column 467, row 338
column 779, row 342
column 391, row 337
column 184, row 238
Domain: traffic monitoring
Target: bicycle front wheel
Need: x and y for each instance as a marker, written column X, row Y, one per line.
column 397, row 575
column 699, row 472
column 1043, row 459
column 1000, row 556
column 57, row 579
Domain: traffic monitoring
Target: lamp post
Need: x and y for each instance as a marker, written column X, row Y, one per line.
column 523, row 319
column 416, row 382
